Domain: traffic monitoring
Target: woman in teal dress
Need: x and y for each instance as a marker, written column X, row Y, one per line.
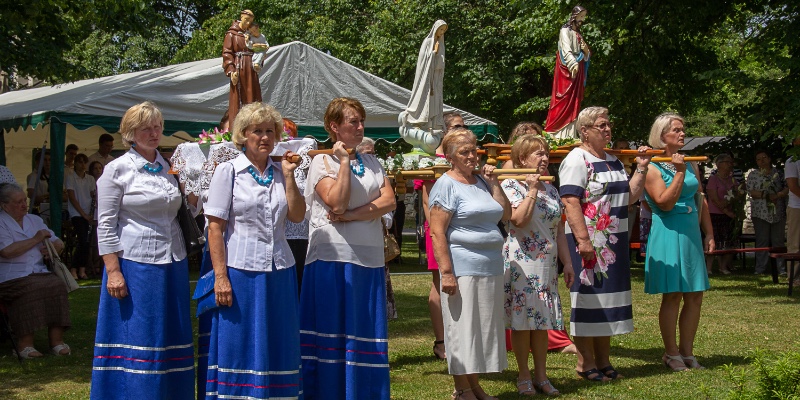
column 675, row 265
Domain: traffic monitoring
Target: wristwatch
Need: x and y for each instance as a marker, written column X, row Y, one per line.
column 642, row 170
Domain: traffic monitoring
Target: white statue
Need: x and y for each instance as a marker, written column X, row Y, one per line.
column 422, row 124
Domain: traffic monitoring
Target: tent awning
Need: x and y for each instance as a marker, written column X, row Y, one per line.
column 297, row 79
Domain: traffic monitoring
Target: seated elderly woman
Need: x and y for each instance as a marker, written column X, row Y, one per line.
column 35, row 297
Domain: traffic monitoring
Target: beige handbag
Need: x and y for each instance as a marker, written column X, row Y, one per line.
column 56, row 266
column 390, row 247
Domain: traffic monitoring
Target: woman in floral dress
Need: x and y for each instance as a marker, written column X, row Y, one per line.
column 768, row 193
column 536, row 236
column 596, row 193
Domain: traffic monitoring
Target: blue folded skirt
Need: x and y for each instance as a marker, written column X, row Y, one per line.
column 254, row 346
column 144, row 346
column 343, row 332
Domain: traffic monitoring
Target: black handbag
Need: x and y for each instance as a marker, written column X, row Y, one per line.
column 193, row 237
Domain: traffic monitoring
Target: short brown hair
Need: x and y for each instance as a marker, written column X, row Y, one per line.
column 290, row 127
column 456, row 137
column 523, row 128
column 525, row 145
column 335, row 112
column 136, row 117
column 254, row 114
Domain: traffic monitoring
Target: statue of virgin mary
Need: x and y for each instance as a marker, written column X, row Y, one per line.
column 422, row 123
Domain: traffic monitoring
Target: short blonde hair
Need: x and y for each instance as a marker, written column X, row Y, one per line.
column 255, row 114
column 660, row 127
column 335, row 112
column 364, row 143
column 525, row 145
column 456, row 138
column 136, row 117
column 587, row 116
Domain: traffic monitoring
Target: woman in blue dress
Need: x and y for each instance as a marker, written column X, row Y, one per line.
column 596, row 193
column 675, row 265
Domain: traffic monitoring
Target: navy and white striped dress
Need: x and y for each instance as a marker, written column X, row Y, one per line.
column 601, row 293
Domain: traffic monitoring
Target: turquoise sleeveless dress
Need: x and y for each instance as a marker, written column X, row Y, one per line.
column 675, row 260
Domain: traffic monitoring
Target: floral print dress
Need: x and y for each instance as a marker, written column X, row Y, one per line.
column 529, row 256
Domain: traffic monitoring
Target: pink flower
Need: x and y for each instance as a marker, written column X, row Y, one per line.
column 605, row 207
column 609, row 256
column 587, row 278
column 589, row 264
column 589, row 210
column 612, row 239
column 603, row 222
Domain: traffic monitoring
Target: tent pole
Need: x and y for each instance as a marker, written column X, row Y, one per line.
column 58, row 135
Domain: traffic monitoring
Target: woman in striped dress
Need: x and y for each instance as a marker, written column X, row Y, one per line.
column 596, row 194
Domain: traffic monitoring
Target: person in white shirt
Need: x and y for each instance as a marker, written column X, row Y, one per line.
column 792, row 173
column 144, row 337
column 105, row 144
column 343, row 295
column 35, row 297
column 80, row 190
column 249, row 200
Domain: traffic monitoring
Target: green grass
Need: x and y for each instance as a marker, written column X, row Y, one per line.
column 741, row 312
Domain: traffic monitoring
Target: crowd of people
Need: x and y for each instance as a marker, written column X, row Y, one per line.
column 495, row 248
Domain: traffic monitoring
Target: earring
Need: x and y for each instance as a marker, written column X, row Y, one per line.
column 244, row 149
column 133, row 145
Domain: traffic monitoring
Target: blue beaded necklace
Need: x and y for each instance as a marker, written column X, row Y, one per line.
column 153, row 170
column 360, row 170
column 259, row 180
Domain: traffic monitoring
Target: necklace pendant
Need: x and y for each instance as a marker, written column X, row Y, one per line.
column 153, row 170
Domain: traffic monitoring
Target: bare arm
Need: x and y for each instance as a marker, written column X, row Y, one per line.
column 21, row 247
column 563, row 255
column 216, row 246
column 297, row 204
column 440, row 220
column 572, row 206
column 335, row 193
column 522, row 214
column 115, row 284
column 372, row 210
column 637, row 181
column 426, row 189
column 666, row 197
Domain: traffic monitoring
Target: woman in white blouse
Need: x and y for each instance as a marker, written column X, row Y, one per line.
column 249, row 200
column 343, row 328
column 144, row 338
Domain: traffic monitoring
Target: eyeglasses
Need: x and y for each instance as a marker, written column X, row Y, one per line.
column 604, row 125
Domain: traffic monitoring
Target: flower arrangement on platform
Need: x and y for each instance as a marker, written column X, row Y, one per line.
column 215, row 136
column 555, row 143
column 399, row 162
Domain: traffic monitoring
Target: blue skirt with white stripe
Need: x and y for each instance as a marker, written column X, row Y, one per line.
column 343, row 332
column 203, row 333
column 144, row 347
column 254, row 348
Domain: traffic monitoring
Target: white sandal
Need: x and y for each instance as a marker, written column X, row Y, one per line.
column 57, row 350
column 25, row 354
column 692, row 363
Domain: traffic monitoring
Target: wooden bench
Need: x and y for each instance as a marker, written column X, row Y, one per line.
column 771, row 250
column 788, row 258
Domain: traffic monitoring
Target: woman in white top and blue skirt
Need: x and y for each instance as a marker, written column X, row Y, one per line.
column 254, row 351
column 144, row 346
column 343, row 328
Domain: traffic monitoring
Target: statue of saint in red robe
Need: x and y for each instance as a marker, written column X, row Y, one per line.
column 572, row 67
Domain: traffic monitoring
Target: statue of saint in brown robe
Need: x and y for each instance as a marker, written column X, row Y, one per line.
column 237, row 62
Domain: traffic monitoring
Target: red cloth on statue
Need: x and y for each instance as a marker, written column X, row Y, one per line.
column 565, row 101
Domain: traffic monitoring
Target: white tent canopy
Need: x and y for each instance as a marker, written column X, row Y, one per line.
column 297, row 79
